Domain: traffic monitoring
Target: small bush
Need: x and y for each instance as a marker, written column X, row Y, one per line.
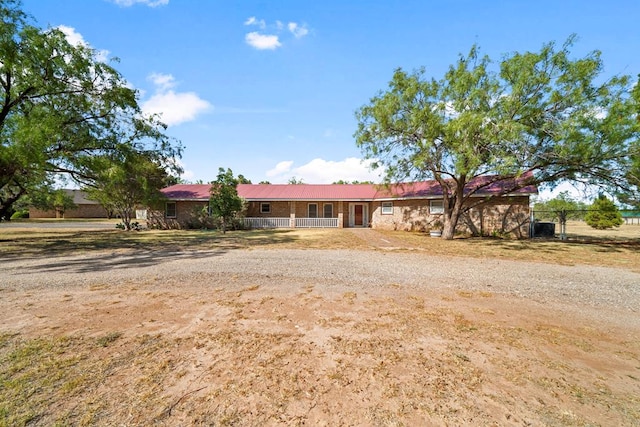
column 20, row 214
column 603, row 214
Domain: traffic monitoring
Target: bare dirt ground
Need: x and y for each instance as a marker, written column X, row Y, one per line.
column 384, row 336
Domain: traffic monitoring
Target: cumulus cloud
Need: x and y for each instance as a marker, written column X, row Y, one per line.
column 281, row 169
column 297, row 30
column 269, row 36
column 173, row 107
column 150, row 3
column 320, row 171
column 76, row 39
column 262, row 41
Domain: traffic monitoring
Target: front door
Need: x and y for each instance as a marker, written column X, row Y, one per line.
column 358, row 216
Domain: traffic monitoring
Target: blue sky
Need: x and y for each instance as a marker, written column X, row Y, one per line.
column 270, row 88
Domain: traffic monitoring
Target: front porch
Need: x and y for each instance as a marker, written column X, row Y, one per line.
column 307, row 214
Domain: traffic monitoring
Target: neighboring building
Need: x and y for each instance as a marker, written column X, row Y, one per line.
column 85, row 208
column 414, row 206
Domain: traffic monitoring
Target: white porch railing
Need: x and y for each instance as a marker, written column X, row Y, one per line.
column 316, row 222
column 267, row 222
column 286, row 222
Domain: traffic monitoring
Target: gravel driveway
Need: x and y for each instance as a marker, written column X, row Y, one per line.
column 336, row 269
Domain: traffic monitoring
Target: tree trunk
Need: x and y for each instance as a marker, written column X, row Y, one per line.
column 7, row 204
column 452, row 212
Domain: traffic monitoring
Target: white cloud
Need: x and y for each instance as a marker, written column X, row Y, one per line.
column 150, row 3
column 76, row 39
column 262, row 41
column 173, row 107
column 320, row 171
column 271, row 38
column 280, row 169
column 297, row 30
column 260, row 23
column 162, row 81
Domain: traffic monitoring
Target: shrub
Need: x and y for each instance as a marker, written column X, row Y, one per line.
column 603, row 214
column 20, row 214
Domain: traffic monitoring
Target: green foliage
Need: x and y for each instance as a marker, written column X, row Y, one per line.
column 630, row 193
column 121, row 185
column 225, row 203
column 539, row 115
column 60, row 107
column 47, row 199
column 603, row 214
column 342, row 181
column 550, row 210
column 293, row 181
column 20, row 214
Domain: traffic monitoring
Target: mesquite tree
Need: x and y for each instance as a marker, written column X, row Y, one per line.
column 533, row 118
column 61, row 106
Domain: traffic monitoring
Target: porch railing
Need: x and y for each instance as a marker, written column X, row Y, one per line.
column 267, row 222
column 286, row 222
column 316, row 222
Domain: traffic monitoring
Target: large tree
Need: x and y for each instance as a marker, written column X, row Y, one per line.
column 535, row 118
column 61, row 106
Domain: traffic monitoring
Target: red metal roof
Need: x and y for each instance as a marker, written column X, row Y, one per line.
column 486, row 185
column 187, row 192
column 307, row 191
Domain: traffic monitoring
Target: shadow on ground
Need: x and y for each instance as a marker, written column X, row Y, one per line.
column 117, row 249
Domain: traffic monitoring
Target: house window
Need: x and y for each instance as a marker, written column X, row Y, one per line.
column 265, row 207
column 387, row 208
column 170, row 210
column 313, row 210
column 328, row 210
column 436, row 207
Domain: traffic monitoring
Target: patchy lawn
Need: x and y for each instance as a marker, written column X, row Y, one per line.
column 230, row 349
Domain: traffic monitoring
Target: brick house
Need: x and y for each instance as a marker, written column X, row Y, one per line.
column 412, row 206
column 85, row 208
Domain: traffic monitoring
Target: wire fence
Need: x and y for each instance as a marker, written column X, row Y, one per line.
column 543, row 222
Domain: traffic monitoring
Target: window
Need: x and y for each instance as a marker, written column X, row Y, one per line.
column 170, row 210
column 265, row 207
column 387, row 208
column 436, row 207
column 313, row 210
column 328, row 210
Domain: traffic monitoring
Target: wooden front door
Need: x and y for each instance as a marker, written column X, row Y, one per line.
column 358, row 216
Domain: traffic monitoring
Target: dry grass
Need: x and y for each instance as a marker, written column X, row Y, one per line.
column 618, row 247
column 253, row 357
column 614, row 248
column 400, row 359
column 16, row 242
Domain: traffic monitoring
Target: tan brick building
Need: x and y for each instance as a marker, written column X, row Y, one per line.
column 412, row 206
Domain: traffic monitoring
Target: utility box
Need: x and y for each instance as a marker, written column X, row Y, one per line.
column 544, row 229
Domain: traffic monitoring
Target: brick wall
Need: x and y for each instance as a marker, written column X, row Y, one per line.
column 82, row 211
column 277, row 210
column 504, row 216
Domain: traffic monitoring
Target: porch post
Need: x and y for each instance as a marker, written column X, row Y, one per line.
column 292, row 214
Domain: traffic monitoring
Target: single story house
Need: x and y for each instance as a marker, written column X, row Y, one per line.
column 85, row 208
column 412, row 206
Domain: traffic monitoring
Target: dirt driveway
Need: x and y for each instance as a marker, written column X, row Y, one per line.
column 323, row 337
